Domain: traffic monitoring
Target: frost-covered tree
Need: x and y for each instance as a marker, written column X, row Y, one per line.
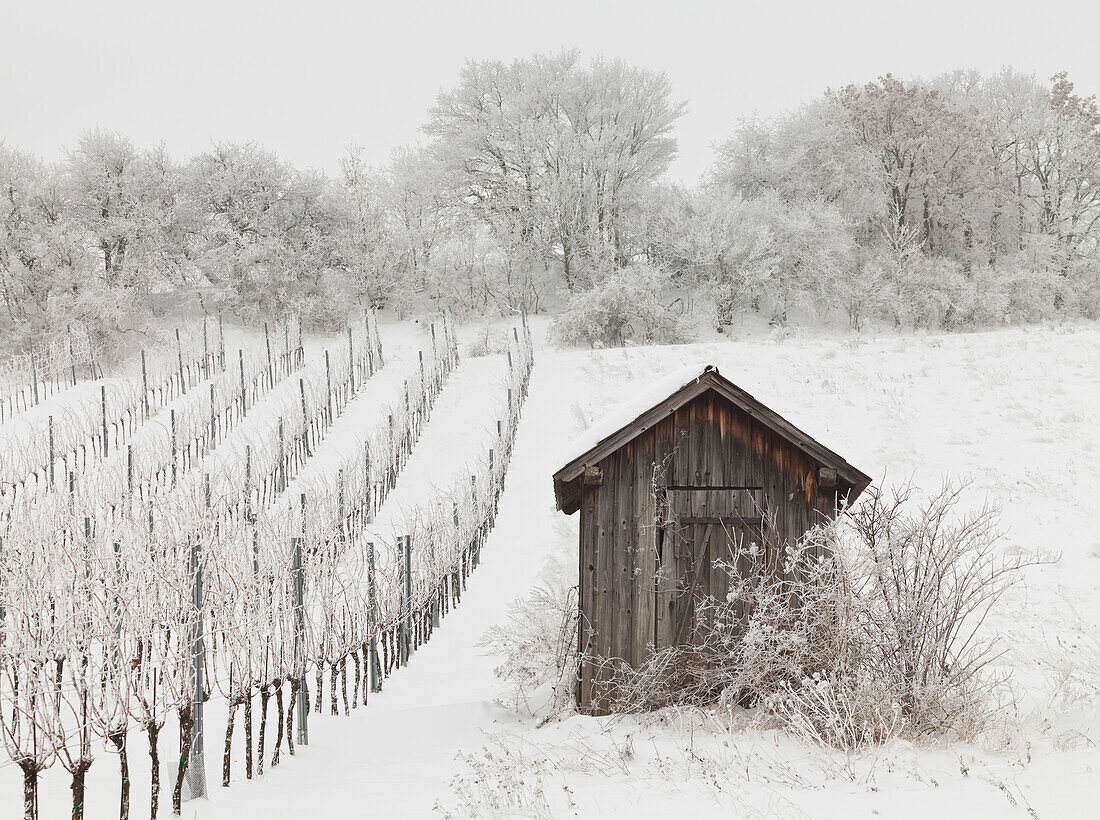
column 555, row 155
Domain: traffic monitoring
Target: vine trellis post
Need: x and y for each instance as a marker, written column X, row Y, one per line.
column 301, row 705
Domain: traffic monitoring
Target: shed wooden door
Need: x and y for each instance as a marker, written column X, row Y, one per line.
column 711, row 542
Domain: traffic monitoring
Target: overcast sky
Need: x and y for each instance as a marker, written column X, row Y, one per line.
column 308, row 79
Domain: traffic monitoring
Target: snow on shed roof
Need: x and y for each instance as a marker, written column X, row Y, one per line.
column 630, row 420
column 629, row 410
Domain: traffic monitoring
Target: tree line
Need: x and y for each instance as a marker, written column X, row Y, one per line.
column 542, row 184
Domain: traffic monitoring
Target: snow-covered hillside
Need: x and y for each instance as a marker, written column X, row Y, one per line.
column 1016, row 412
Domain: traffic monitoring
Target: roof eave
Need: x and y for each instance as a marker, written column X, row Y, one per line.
column 709, row 378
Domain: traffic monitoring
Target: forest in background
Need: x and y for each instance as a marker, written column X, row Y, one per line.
column 961, row 201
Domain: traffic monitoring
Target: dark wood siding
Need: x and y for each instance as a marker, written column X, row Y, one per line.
column 717, row 461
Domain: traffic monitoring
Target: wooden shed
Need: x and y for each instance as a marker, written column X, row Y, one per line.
column 667, row 487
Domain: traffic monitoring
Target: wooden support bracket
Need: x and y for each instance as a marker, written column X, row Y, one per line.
column 592, row 477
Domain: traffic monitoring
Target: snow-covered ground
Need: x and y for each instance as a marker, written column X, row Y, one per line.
column 1017, row 412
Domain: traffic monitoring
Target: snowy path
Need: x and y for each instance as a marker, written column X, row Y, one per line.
column 364, row 411
column 458, row 434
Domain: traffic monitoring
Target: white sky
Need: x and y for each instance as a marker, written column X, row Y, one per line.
column 308, row 79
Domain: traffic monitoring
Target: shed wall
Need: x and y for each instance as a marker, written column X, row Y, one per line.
column 626, row 606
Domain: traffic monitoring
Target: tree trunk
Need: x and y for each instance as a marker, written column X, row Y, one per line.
column 77, row 787
column 152, row 731
column 226, row 756
column 186, row 722
column 355, row 687
column 30, row 790
column 248, row 735
column 294, row 685
column 119, row 741
column 278, row 722
column 334, row 669
column 320, row 685
column 344, row 684
column 265, row 696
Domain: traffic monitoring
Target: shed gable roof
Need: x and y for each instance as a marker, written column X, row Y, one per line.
column 567, row 479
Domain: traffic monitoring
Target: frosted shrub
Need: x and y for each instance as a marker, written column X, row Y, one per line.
column 845, row 711
column 488, row 342
column 628, row 306
column 538, row 645
column 884, row 635
column 501, row 781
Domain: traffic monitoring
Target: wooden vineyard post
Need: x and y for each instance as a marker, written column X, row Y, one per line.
column 103, row 415
column 52, row 456
column 341, row 514
column 116, row 606
column 280, row 469
column 34, row 377
column 72, row 356
column 249, row 515
column 196, row 766
column 390, row 477
column 473, row 547
column 211, row 441
column 172, row 426
column 91, row 353
column 305, row 418
column 368, row 485
column 286, row 342
column 406, row 621
column 435, row 360
column 370, row 347
column 270, row 369
column 328, row 389
column 372, row 624
column 144, row 385
column 351, row 363
column 179, row 359
column 244, row 392
column 492, row 498
column 205, row 351
column 221, row 343
column 412, row 427
column 301, row 706
column 299, row 354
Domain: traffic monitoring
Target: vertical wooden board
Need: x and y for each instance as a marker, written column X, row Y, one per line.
column 751, row 569
column 743, row 566
column 705, row 430
column 625, row 550
column 664, row 564
column 592, row 501
column 723, row 504
column 723, row 464
column 608, row 564
column 691, row 547
column 586, row 596
column 697, row 437
column 673, row 579
column 643, row 589
column 684, row 460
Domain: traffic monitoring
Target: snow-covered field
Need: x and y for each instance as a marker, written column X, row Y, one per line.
column 1016, row 412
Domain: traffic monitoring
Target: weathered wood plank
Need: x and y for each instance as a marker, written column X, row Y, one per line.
column 726, row 476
